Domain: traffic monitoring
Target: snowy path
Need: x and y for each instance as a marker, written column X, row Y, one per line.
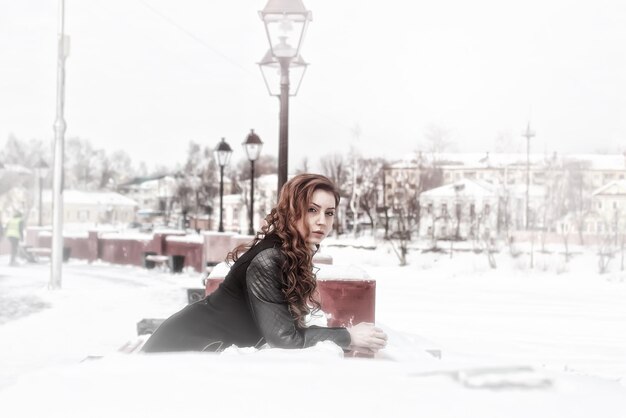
column 571, row 324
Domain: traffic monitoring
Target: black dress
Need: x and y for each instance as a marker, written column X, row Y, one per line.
column 248, row 310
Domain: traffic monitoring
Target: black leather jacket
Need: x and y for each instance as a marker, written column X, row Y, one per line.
column 271, row 312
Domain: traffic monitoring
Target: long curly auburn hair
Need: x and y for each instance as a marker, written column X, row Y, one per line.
column 299, row 282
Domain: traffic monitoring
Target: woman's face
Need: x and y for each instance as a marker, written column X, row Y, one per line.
column 318, row 217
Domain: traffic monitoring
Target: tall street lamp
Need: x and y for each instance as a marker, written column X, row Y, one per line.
column 252, row 145
column 42, row 171
column 285, row 22
column 222, row 155
column 528, row 133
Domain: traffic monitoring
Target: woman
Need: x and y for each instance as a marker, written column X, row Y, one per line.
column 271, row 287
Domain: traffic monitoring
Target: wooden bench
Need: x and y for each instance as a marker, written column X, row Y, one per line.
column 34, row 253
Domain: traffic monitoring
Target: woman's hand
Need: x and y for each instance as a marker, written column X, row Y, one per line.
column 367, row 338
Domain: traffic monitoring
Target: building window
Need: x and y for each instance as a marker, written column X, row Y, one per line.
column 472, row 210
column 444, row 209
column 487, row 209
column 599, row 205
column 429, row 208
column 82, row 215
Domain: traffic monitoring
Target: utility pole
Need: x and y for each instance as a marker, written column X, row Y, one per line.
column 528, row 134
column 59, row 135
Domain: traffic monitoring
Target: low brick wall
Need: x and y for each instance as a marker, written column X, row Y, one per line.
column 131, row 249
column 192, row 251
column 79, row 247
column 127, row 249
column 124, row 251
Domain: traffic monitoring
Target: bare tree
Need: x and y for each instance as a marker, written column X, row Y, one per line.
column 401, row 237
column 266, row 164
column 196, row 183
column 577, row 192
column 405, row 210
column 482, row 233
column 304, row 166
column 115, row 169
column 437, row 141
column 506, row 142
column 334, row 167
column 606, row 252
column 370, row 185
column 364, row 185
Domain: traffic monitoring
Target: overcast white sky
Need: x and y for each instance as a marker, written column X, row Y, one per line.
column 147, row 76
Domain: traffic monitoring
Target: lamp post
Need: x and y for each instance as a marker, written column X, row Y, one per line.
column 285, row 22
column 59, row 146
column 528, row 133
column 222, row 155
column 42, row 171
column 252, row 145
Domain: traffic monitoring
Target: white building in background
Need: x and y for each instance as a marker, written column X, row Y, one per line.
column 607, row 216
column 547, row 174
column 609, row 201
column 465, row 209
column 80, row 207
column 151, row 193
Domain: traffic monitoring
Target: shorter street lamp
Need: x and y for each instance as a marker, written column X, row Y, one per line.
column 222, row 155
column 252, row 145
column 42, row 171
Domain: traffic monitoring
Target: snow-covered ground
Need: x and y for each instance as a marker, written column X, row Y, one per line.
column 548, row 341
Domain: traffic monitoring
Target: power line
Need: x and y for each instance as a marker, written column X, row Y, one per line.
column 329, row 118
column 194, row 36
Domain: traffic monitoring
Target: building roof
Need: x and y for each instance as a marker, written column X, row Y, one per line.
column 140, row 180
column 463, row 187
column 79, row 197
column 501, row 160
column 614, row 188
